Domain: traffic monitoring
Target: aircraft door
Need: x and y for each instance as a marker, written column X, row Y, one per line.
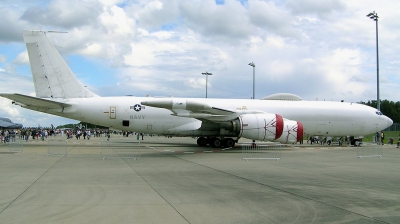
column 113, row 112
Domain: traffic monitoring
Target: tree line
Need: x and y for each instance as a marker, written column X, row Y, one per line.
column 388, row 108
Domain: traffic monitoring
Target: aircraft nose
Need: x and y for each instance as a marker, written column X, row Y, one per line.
column 389, row 121
column 383, row 122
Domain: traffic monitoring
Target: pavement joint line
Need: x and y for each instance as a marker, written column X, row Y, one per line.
column 155, row 189
column 278, row 189
column 289, row 192
column 30, row 185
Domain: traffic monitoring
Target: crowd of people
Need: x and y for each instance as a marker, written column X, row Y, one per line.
column 40, row 133
column 27, row 134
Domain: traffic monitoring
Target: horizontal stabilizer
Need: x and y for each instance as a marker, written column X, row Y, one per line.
column 31, row 101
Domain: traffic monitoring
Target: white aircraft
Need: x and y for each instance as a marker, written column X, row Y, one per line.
column 283, row 118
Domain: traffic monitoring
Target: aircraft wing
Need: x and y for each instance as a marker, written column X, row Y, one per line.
column 30, row 101
column 195, row 109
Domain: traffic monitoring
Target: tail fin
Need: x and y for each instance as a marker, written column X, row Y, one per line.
column 51, row 75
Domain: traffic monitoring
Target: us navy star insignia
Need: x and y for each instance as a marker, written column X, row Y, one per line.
column 137, row 107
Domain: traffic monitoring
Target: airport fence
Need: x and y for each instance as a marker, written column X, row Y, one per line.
column 15, row 144
column 57, row 147
column 370, row 151
column 261, row 150
column 120, row 149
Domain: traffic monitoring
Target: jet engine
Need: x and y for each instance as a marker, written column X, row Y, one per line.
column 292, row 132
column 270, row 127
column 263, row 127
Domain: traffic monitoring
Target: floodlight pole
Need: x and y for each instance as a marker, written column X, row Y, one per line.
column 254, row 76
column 206, row 74
column 373, row 15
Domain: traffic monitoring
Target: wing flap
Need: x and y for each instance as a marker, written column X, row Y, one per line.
column 30, row 101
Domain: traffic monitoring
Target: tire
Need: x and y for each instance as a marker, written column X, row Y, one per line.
column 355, row 142
column 202, row 141
column 216, row 142
column 228, row 142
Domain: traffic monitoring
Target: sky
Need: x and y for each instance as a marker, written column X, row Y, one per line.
column 318, row 50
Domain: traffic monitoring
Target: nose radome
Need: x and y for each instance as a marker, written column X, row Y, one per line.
column 389, row 121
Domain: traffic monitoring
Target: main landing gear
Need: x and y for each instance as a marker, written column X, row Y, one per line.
column 216, row 142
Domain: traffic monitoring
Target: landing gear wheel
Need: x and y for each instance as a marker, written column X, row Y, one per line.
column 355, row 143
column 228, row 142
column 215, row 142
column 202, row 141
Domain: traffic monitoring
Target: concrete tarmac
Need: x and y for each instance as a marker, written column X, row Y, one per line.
column 175, row 181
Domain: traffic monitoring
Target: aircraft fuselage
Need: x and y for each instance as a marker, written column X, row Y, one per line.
column 322, row 118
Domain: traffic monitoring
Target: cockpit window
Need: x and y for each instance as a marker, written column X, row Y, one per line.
column 378, row 113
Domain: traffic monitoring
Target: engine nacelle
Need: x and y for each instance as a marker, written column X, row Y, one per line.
column 263, row 127
column 292, row 132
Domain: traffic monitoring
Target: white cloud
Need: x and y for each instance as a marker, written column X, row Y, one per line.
column 116, row 21
column 22, row 58
column 154, row 14
column 321, row 8
column 3, row 58
column 64, row 13
column 342, row 70
column 9, row 109
column 199, row 83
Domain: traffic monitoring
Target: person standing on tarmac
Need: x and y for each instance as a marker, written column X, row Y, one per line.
column 378, row 138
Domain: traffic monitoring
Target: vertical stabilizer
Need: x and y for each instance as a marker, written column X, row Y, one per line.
column 51, row 75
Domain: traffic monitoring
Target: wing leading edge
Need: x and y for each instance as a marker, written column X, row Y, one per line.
column 30, row 101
